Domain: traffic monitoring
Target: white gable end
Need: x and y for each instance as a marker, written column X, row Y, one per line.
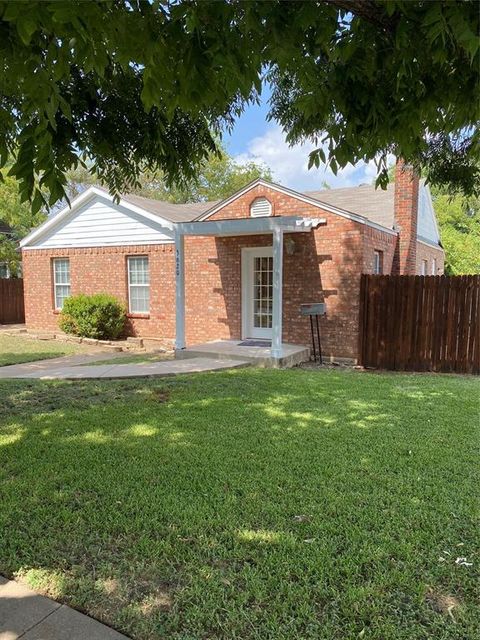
column 101, row 222
column 427, row 228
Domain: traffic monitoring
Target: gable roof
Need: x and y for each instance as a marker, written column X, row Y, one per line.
column 174, row 212
column 362, row 203
column 374, row 204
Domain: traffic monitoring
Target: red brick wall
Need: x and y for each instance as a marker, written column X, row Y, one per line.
column 428, row 253
column 376, row 240
column 325, row 266
column 102, row 269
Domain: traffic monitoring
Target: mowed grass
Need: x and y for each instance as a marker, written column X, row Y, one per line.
column 19, row 349
column 252, row 504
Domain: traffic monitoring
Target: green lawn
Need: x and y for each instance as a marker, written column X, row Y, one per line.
column 252, row 504
column 18, row 349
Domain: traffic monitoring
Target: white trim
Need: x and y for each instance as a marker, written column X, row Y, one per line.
column 247, row 286
column 60, row 284
column 299, row 196
column 432, row 245
column 249, row 226
column 130, row 285
column 100, row 245
column 83, row 198
column 277, row 306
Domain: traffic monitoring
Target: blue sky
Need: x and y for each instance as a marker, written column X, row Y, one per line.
column 254, row 138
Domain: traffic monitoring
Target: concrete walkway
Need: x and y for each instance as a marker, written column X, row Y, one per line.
column 76, row 367
column 26, row 615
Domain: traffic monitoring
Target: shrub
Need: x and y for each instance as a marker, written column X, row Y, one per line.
column 97, row 316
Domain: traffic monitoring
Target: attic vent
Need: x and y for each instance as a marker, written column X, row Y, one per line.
column 260, row 207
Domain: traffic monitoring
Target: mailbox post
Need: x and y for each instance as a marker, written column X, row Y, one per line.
column 315, row 309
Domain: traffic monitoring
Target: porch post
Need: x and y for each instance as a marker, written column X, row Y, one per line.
column 179, row 291
column 277, row 293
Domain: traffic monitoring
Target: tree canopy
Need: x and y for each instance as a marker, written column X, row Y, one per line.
column 217, row 177
column 459, row 221
column 18, row 217
column 135, row 85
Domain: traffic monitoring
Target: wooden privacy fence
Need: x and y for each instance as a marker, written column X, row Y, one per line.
column 420, row 323
column 12, row 309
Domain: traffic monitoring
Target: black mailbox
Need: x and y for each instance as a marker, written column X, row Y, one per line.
column 313, row 309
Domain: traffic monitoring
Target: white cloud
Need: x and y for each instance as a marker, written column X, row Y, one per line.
column 289, row 165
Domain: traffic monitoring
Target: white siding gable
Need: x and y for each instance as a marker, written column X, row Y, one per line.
column 101, row 222
column 427, row 228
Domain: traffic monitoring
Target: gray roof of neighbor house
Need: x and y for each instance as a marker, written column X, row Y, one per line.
column 4, row 228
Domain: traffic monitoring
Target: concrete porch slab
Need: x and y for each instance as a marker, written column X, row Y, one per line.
column 292, row 354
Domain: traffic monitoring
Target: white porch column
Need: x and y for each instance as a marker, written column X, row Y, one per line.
column 277, row 293
column 179, row 291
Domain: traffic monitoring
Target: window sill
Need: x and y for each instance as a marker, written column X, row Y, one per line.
column 57, row 312
column 138, row 315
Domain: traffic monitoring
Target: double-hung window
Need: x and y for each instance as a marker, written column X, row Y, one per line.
column 138, row 284
column 61, row 281
column 424, row 267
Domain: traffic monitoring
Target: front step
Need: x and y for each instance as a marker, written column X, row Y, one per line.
column 259, row 356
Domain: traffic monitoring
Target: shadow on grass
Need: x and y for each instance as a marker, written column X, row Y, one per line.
column 242, row 504
column 7, row 359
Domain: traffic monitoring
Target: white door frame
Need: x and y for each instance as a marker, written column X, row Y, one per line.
column 248, row 254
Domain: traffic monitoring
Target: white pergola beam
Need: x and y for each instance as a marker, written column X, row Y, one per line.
column 248, row 226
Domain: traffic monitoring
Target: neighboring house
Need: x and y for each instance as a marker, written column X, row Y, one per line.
column 5, row 232
column 239, row 268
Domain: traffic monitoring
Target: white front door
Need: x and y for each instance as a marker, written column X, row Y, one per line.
column 257, row 291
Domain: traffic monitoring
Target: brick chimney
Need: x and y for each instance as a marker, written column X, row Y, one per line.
column 406, row 214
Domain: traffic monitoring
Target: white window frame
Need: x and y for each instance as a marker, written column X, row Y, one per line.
column 424, row 268
column 434, row 266
column 130, row 285
column 56, row 284
column 378, row 257
column 260, row 215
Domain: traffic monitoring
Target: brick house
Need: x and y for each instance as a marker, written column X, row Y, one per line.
column 235, row 269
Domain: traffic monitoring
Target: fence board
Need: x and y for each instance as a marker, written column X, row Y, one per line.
column 420, row 323
column 11, row 301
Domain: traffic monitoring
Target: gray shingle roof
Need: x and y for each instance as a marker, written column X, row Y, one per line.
column 376, row 205
column 365, row 200
column 4, row 228
column 173, row 212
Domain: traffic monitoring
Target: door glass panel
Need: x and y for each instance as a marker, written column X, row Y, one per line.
column 262, row 292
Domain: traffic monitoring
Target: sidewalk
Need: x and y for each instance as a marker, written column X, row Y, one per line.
column 77, row 368
column 26, row 615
